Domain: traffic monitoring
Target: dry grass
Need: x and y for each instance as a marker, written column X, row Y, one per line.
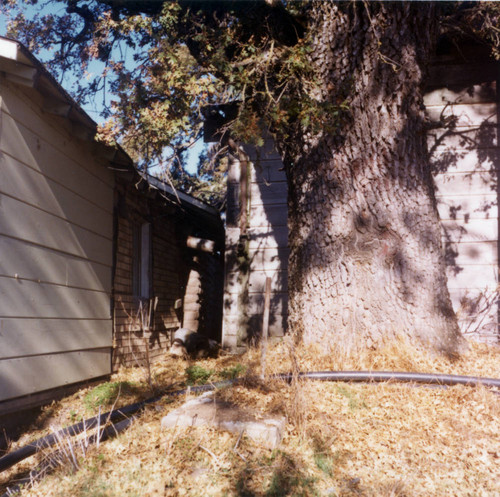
column 347, row 440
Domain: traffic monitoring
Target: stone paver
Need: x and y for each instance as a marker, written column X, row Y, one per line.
column 205, row 410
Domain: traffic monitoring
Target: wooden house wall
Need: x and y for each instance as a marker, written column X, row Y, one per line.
column 461, row 102
column 187, row 283
column 266, row 253
column 168, row 274
column 56, row 206
column 462, row 105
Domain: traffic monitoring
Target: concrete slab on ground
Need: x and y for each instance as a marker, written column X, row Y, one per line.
column 206, row 410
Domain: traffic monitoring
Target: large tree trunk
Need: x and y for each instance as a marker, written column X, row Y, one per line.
column 366, row 262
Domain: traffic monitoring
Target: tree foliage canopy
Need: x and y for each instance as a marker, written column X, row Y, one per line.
column 165, row 62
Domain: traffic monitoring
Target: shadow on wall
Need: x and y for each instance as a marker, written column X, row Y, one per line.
column 202, row 309
column 257, row 250
column 463, row 147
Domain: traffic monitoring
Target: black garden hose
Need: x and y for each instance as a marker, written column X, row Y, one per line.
column 443, row 380
column 382, row 376
column 48, row 441
column 38, row 473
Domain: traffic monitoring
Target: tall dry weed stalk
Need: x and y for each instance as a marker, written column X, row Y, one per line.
column 145, row 317
column 298, row 404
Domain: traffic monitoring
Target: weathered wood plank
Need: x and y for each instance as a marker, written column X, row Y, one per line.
column 474, row 231
column 475, row 93
column 266, row 216
column 450, row 160
column 28, row 299
column 24, row 337
column 29, row 375
column 467, row 206
column 25, row 222
column 467, row 254
column 94, row 182
column 24, row 183
column 465, row 114
column 43, row 264
column 477, row 276
column 475, row 183
column 275, row 193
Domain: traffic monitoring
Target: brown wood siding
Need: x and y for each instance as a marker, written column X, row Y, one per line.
column 129, row 340
column 178, row 274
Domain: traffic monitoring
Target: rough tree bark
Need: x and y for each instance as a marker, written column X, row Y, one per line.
column 366, row 261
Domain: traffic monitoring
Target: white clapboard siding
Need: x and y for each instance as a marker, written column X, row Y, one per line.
column 463, row 297
column 27, row 337
column 478, row 93
column 450, row 160
column 270, row 194
column 27, row 261
column 272, row 259
column 473, row 277
column 56, row 134
column 56, row 252
column 25, row 184
column 475, row 183
column 262, row 216
column 463, row 138
column 466, row 160
column 478, row 230
column 29, row 299
column 25, row 222
column 472, row 253
column 268, row 252
column 260, row 238
column 266, row 152
column 277, row 328
column 257, row 281
column 28, row 375
column 465, row 114
column 23, row 145
column 464, row 207
column 269, row 259
column 278, row 304
column 268, row 171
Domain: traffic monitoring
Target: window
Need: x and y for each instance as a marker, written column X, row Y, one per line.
column 141, row 261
